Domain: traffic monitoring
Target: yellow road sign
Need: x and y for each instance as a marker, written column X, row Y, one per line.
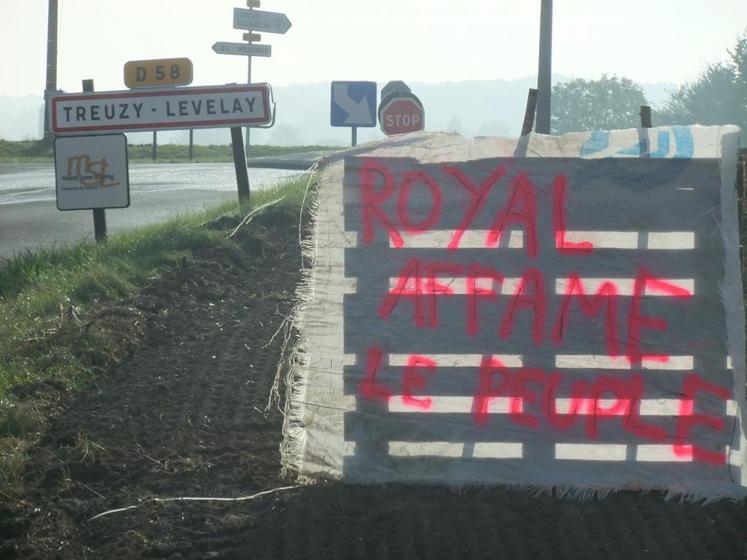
column 158, row 72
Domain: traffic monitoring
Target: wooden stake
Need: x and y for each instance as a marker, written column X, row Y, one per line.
column 531, row 110
column 239, row 163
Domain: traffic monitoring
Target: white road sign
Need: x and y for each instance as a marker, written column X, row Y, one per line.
column 259, row 20
column 91, row 172
column 221, row 47
column 158, row 109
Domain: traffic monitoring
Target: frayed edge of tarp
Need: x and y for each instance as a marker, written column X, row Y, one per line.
column 294, row 431
column 536, row 491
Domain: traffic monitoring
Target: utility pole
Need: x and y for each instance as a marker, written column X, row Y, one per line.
column 544, row 78
column 51, row 62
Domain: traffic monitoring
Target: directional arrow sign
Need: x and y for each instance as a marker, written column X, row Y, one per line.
column 353, row 104
column 259, row 20
column 245, row 49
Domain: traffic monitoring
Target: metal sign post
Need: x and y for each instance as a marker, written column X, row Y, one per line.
column 99, row 214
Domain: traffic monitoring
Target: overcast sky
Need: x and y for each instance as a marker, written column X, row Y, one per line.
column 412, row 40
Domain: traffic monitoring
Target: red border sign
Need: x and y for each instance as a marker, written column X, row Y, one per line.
column 180, row 108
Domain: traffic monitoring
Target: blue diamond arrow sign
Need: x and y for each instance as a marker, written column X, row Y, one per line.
column 353, row 104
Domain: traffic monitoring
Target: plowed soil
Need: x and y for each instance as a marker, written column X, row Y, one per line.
column 184, row 416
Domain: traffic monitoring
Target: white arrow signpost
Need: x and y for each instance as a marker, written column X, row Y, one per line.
column 246, row 49
column 259, row 20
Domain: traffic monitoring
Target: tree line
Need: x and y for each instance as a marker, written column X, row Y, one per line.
column 717, row 96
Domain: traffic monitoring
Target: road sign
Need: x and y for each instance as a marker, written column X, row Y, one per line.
column 158, row 72
column 399, row 115
column 252, row 37
column 259, row 20
column 245, row 49
column 91, row 172
column 159, row 109
column 353, row 104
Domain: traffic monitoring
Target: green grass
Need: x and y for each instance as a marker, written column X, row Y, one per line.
column 33, row 151
column 47, row 296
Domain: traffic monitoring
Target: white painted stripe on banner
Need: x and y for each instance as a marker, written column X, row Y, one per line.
column 471, row 239
column 590, row 451
column 425, row 449
column 498, row 450
column 596, row 361
column 477, row 239
column 458, row 285
column 440, row 404
column 481, row 450
column 449, row 405
column 649, row 407
column 651, row 453
column 679, row 363
column 604, row 239
column 458, row 360
column 669, row 240
column 603, row 361
column 624, row 286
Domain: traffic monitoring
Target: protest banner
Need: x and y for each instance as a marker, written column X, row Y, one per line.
column 572, row 320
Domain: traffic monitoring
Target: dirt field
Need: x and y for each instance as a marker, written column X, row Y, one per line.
column 183, row 416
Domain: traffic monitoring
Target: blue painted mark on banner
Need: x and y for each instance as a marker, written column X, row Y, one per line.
column 599, row 141
column 683, row 138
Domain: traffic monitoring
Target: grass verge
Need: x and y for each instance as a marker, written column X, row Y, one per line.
column 51, row 301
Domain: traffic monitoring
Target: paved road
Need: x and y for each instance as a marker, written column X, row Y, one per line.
column 29, row 218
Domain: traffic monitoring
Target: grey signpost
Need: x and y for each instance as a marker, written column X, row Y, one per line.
column 250, row 50
column 253, row 20
column 99, row 214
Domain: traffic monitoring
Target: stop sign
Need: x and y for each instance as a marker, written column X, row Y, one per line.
column 401, row 114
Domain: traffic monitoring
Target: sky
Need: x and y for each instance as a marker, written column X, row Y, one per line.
column 412, row 40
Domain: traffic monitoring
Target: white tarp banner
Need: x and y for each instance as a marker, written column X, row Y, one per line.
column 555, row 312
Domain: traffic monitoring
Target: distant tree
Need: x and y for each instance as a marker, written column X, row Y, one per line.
column 494, row 128
column 455, row 125
column 604, row 104
column 718, row 96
